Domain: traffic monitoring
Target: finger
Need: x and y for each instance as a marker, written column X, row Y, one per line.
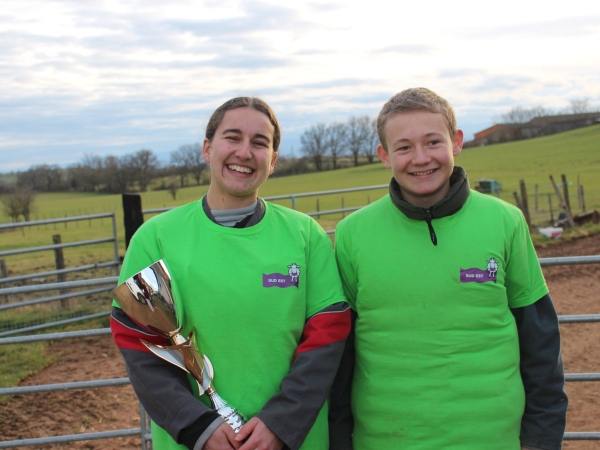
column 247, row 429
column 231, row 437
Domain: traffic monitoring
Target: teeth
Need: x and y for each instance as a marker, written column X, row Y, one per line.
column 423, row 173
column 239, row 168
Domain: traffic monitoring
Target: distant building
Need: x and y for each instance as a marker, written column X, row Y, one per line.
column 536, row 127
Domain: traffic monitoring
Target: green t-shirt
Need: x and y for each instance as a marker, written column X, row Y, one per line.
column 437, row 352
column 234, row 286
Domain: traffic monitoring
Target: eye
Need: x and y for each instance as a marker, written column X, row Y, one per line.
column 261, row 144
column 403, row 148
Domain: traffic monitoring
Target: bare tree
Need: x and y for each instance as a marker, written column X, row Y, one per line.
column 358, row 131
column 314, row 144
column 186, row 159
column 117, row 173
column 18, row 203
column 44, row 177
column 522, row 115
column 88, row 175
column 370, row 150
column 173, row 187
column 579, row 106
column 336, row 142
column 143, row 165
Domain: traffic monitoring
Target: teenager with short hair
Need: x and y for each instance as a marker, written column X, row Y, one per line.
column 456, row 339
column 258, row 284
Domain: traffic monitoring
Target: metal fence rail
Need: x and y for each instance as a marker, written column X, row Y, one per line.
column 59, row 246
column 59, row 272
column 573, row 377
column 293, row 197
column 143, row 431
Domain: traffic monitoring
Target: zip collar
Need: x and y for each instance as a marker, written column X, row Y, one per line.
column 449, row 205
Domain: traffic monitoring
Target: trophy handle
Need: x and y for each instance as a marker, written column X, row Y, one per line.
column 166, row 353
column 209, row 367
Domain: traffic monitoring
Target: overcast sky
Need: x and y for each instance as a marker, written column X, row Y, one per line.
column 113, row 77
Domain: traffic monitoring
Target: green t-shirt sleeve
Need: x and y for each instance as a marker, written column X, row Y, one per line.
column 345, row 267
column 524, row 281
column 323, row 281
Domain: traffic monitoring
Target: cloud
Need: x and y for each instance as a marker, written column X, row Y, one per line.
column 408, row 49
column 577, row 26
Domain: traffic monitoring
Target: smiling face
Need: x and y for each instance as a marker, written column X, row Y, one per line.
column 241, row 158
column 421, row 155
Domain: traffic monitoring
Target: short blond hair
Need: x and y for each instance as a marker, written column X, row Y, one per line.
column 415, row 99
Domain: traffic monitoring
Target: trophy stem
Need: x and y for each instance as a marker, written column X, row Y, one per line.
column 231, row 416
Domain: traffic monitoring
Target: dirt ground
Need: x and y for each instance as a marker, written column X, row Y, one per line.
column 574, row 289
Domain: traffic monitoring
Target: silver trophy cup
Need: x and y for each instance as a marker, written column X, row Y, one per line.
column 147, row 298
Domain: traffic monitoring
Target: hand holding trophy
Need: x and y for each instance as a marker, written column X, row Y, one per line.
column 147, row 298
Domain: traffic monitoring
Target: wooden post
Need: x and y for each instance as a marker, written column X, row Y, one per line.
column 518, row 200
column 536, row 197
column 525, row 203
column 4, row 273
column 562, row 202
column 368, row 199
column 551, row 212
column 582, row 197
column 132, row 215
column 3, row 269
column 566, row 191
column 59, row 258
column 318, row 209
column 579, row 193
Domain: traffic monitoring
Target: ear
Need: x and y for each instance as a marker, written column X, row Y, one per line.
column 457, row 142
column 273, row 159
column 206, row 151
column 384, row 156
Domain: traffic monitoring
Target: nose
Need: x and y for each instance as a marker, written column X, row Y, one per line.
column 421, row 156
column 244, row 150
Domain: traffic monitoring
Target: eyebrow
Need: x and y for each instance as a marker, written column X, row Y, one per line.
column 433, row 133
column 238, row 131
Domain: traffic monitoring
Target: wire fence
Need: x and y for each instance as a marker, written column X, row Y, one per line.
column 24, row 310
column 34, row 312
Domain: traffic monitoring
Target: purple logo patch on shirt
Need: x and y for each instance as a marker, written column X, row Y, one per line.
column 279, row 280
column 476, row 276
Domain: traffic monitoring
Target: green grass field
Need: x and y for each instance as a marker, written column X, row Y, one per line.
column 575, row 154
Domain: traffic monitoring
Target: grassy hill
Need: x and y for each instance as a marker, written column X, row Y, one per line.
column 575, row 153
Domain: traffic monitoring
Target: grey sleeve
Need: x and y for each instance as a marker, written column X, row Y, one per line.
column 164, row 390
column 291, row 413
column 543, row 422
column 341, row 421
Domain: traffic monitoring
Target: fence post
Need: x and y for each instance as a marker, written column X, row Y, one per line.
column 4, row 273
column 518, row 200
column 551, row 212
column 582, row 197
column 566, row 191
column 536, row 197
column 318, row 209
column 132, row 215
column 525, row 203
column 343, row 213
column 561, row 201
column 579, row 193
column 59, row 258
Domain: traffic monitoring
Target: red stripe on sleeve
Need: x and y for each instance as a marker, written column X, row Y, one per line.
column 129, row 338
column 323, row 329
